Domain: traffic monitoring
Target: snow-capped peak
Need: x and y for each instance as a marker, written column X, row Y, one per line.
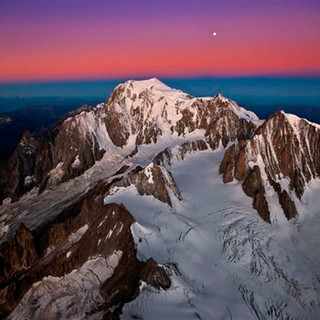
column 219, row 96
column 156, row 88
column 154, row 83
column 154, row 91
column 242, row 113
column 295, row 120
column 149, row 109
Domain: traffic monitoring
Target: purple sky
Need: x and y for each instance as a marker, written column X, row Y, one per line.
column 101, row 39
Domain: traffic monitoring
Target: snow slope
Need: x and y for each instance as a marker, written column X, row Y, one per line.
column 226, row 263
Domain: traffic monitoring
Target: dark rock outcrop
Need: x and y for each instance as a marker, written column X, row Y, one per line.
column 16, row 177
column 18, row 254
column 288, row 206
column 155, row 180
column 233, row 164
column 253, row 187
column 154, row 275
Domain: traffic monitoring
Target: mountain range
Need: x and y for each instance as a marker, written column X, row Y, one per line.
column 157, row 205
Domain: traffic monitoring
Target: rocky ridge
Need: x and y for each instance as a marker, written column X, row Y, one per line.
column 283, row 153
column 155, row 180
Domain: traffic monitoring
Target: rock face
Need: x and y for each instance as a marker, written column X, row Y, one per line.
column 233, row 164
column 254, row 188
column 86, row 236
column 289, row 147
column 61, row 154
column 149, row 110
column 18, row 254
column 16, row 177
column 155, row 180
column 286, row 148
column 154, row 275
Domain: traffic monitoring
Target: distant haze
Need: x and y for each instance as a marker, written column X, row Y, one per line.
column 303, row 92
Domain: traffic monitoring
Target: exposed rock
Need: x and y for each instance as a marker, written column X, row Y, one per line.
column 233, row 164
column 227, row 164
column 240, row 169
column 157, row 181
column 152, row 180
column 115, row 121
column 155, row 275
column 287, row 147
column 21, row 166
column 288, row 206
column 253, row 182
column 85, row 230
column 55, row 157
column 261, row 205
column 18, row 254
column 226, row 125
column 253, row 187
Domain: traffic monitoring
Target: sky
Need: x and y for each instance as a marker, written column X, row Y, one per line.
column 93, row 39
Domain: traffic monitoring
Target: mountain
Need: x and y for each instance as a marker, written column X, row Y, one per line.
column 137, row 113
column 157, row 198
column 283, row 154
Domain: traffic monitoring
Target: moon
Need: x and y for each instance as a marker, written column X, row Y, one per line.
column 214, row 34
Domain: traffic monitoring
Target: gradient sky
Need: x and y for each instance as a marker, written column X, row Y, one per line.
column 87, row 39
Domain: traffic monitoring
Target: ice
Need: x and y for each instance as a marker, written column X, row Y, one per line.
column 148, row 173
column 102, row 222
column 76, row 236
column 76, row 162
